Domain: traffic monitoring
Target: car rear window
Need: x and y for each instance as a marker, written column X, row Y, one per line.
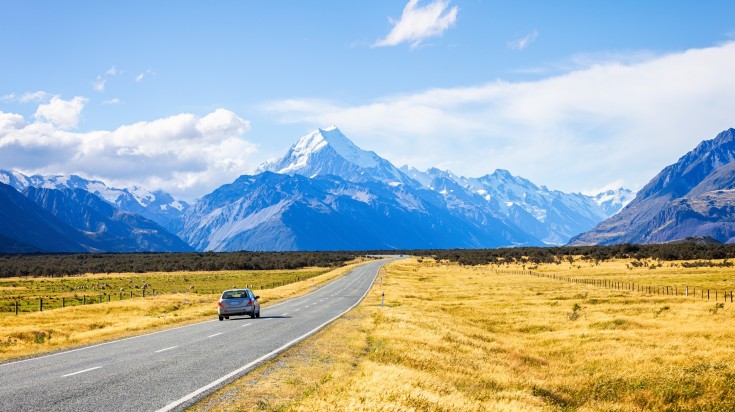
column 235, row 295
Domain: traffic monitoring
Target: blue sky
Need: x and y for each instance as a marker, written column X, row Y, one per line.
column 186, row 96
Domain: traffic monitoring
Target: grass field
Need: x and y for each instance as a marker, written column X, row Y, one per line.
column 457, row 338
column 37, row 332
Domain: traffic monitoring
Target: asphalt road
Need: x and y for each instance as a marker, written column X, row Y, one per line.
column 171, row 369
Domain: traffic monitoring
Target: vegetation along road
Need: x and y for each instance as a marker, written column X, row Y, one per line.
column 171, row 369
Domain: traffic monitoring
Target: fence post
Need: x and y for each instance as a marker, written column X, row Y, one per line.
column 108, row 297
column 16, row 307
column 63, row 302
column 40, row 304
column 707, row 294
column 686, row 292
column 84, row 299
column 143, row 292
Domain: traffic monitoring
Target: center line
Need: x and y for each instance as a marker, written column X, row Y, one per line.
column 77, row 373
column 165, row 349
column 216, row 334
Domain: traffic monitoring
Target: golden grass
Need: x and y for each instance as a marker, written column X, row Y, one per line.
column 455, row 338
column 41, row 332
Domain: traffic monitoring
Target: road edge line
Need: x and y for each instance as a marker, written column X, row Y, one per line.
column 193, row 396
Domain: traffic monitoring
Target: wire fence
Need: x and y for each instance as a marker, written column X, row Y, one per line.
column 45, row 303
column 694, row 292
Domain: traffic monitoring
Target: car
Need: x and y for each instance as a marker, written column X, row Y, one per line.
column 238, row 302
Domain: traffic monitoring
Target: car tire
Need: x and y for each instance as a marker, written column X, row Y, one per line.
column 221, row 318
column 227, row 317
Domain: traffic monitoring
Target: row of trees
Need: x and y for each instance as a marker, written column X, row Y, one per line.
column 76, row 264
column 537, row 255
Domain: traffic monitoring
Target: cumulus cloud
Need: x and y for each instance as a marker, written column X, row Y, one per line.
column 185, row 154
column 523, row 42
column 418, row 23
column 580, row 130
column 61, row 113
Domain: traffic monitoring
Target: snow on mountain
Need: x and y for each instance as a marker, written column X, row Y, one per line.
column 158, row 206
column 613, row 201
column 691, row 198
column 550, row 215
column 329, row 152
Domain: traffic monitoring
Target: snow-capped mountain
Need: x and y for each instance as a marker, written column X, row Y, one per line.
column 329, row 152
column 550, row 215
column 613, row 201
column 693, row 197
column 326, row 192
column 74, row 220
column 157, row 206
column 272, row 211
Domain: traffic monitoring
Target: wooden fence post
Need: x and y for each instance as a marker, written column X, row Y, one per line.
column 84, row 299
column 16, row 308
column 40, row 304
column 63, row 302
column 686, row 292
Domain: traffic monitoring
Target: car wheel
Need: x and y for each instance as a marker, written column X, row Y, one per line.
column 221, row 318
column 227, row 317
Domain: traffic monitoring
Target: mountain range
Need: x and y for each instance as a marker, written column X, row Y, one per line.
column 325, row 193
column 694, row 197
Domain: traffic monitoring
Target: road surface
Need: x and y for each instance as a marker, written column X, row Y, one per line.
column 171, row 369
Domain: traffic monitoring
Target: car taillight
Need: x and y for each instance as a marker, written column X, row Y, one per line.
column 219, row 304
column 250, row 303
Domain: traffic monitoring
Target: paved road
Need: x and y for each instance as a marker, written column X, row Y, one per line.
column 171, row 369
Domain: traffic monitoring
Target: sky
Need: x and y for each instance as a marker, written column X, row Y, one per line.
column 185, row 96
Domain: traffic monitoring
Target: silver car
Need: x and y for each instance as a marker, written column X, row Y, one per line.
column 238, row 302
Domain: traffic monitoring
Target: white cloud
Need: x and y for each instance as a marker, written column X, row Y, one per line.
column 99, row 84
column 61, row 113
column 27, row 97
column 419, row 23
column 572, row 132
column 113, row 71
column 112, row 102
column 139, row 78
column 184, row 154
column 523, row 42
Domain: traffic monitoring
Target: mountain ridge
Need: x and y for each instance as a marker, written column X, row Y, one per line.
column 684, row 199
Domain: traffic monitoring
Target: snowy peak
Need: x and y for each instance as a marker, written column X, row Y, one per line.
column 158, row 206
column 302, row 153
column 612, row 201
column 329, row 152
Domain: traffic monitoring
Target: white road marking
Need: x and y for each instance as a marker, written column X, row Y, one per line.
column 285, row 314
column 165, row 349
column 296, row 310
column 252, row 364
column 216, row 334
column 247, row 324
column 77, row 373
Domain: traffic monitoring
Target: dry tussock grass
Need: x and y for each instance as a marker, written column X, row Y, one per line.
column 455, row 338
column 42, row 332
